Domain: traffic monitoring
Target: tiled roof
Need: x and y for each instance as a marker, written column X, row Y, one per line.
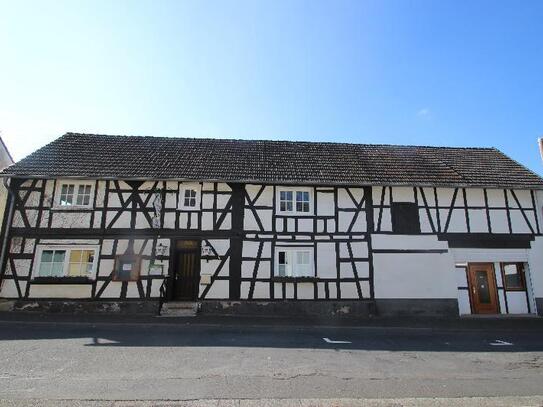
column 159, row 158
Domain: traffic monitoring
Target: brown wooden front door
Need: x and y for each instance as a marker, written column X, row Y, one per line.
column 482, row 285
column 186, row 276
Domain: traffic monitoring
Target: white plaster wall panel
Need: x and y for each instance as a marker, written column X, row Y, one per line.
column 461, row 278
column 498, row 275
column 49, row 188
column 445, row 195
column 344, row 219
column 247, row 268
column 376, row 195
column 107, row 247
column 250, row 248
column 330, row 225
column 132, row 290
column 113, row 199
column 17, row 220
column 464, row 307
column 496, row 198
column 184, row 220
column 348, row 291
column 321, row 290
column 221, row 186
column 60, row 291
column 489, row 255
column 22, row 266
column 266, row 198
column 346, row 270
column 428, row 194
column 142, row 222
column 425, row 226
column 208, row 267
column 320, row 226
column 326, row 259
column 516, row 302
column 27, row 183
column 325, row 204
column 122, row 246
column 8, row 289
column 261, row 291
column 143, row 246
column 29, row 246
column 531, row 219
column 169, row 220
column 100, row 194
column 227, row 222
column 306, row 291
column 477, row 221
column 124, row 185
column 245, row 287
column 403, row 194
column 170, row 200
column 105, row 267
column 363, row 269
column 16, row 245
column 305, row 225
column 279, row 225
column 332, row 290
column 222, row 200
column 365, row 288
column 221, row 246
column 498, row 221
column 219, row 290
column 344, row 201
column 457, row 223
column 277, row 290
column 122, row 222
column 33, row 199
column 97, row 219
column 207, row 221
column 44, row 223
column 475, row 197
column 249, row 221
column 207, row 186
column 113, row 290
column 264, row 269
column 207, row 201
column 359, row 225
column 386, row 220
column 70, row 220
column 524, row 197
column 407, row 242
column 401, row 276
column 266, row 218
column 289, row 291
column 518, row 223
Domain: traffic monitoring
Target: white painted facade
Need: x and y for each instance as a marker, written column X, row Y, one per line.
column 354, row 251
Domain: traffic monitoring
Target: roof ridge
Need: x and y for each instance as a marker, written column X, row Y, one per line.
column 279, row 141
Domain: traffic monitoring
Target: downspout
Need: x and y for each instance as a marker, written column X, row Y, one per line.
column 5, row 232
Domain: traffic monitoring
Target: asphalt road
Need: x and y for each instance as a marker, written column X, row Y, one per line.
column 169, row 361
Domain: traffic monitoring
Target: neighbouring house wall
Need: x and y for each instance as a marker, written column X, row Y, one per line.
column 356, row 254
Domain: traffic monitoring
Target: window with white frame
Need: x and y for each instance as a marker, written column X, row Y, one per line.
column 190, row 197
column 75, row 194
column 66, row 261
column 294, row 263
column 294, row 200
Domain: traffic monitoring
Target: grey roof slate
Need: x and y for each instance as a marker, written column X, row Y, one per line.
column 159, row 158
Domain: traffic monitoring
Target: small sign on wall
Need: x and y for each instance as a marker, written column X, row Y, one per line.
column 156, row 269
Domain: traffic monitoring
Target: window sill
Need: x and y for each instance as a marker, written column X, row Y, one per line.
column 294, row 279
column 62, row 280
column 71, row 207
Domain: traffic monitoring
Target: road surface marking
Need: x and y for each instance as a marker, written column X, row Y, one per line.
column 497, row 342
column 327, row 340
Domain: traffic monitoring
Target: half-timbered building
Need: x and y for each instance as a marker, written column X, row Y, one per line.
column 273, row 226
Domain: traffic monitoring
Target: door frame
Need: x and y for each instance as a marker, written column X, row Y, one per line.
column 172, row 266
column 493, row 290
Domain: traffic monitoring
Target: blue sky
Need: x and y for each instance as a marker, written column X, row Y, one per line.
column 459, row 73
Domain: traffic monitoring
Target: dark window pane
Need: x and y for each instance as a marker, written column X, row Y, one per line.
column 483, row 290
column 281, row 257
column 513, row 276
column 405, row 218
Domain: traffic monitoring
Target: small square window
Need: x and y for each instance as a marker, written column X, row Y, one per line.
column 295, row 201
column 302, row 201
column 67, row 194
column 285, row 201
column 513, row 276
column 405, row 218
column 127, row 267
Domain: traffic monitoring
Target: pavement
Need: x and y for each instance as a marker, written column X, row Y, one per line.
column 58, row 360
